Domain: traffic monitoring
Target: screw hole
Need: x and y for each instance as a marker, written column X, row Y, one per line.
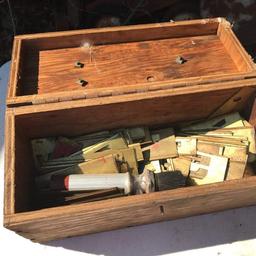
column 79, row 64
column 180, row 60
column 161, row 210
column 237, row 99
column 151, row 79
column 82, row 82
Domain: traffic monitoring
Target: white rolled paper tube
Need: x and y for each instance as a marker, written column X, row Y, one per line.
column 83, row 182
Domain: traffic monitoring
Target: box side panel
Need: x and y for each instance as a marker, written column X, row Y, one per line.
column 18, row 190
column 15, row 68
column 239, row 101
column 24, row 171
column 235, row 49
column 9, row 198
column 252, row 118
column 68, row 221
column 164, row 109
column 133, row 33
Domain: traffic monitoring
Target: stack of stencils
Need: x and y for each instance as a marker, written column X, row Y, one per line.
column 214, row 150
column 228, row 139
column 200, row 153
column 104, row 152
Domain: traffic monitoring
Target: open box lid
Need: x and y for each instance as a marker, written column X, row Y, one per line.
column 106, row 62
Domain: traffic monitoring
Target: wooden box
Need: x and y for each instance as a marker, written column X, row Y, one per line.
column 132, row 78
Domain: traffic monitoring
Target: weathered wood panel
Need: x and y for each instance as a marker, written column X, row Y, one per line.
column 126, row 64
column 49, row 224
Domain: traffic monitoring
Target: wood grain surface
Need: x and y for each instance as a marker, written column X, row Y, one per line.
column 125, row 60
column 66, row 221
column 125, row 64
column 155, row 111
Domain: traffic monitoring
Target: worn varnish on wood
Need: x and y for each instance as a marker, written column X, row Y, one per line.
column 39, row 105
column 36, row 121
column 118, row 64
column 124, row 60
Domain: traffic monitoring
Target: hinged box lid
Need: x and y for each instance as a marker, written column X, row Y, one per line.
column 106, row 62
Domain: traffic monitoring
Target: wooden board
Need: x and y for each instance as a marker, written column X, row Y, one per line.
column 115, row 55
column 95, row 118
column 118, row 64
column 55, row 223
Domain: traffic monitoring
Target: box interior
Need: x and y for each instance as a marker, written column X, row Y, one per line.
column 154, row 112
column 47, row 63
column 155, row 61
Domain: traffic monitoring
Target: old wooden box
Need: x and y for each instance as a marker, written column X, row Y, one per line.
column 132, row 78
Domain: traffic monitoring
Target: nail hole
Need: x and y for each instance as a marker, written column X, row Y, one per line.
column 237, row 99
column 151, row 79
column 161, row 210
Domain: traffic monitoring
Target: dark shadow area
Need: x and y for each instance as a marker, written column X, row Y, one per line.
column 28, row 83
column 26, row 17
column 169, row 237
